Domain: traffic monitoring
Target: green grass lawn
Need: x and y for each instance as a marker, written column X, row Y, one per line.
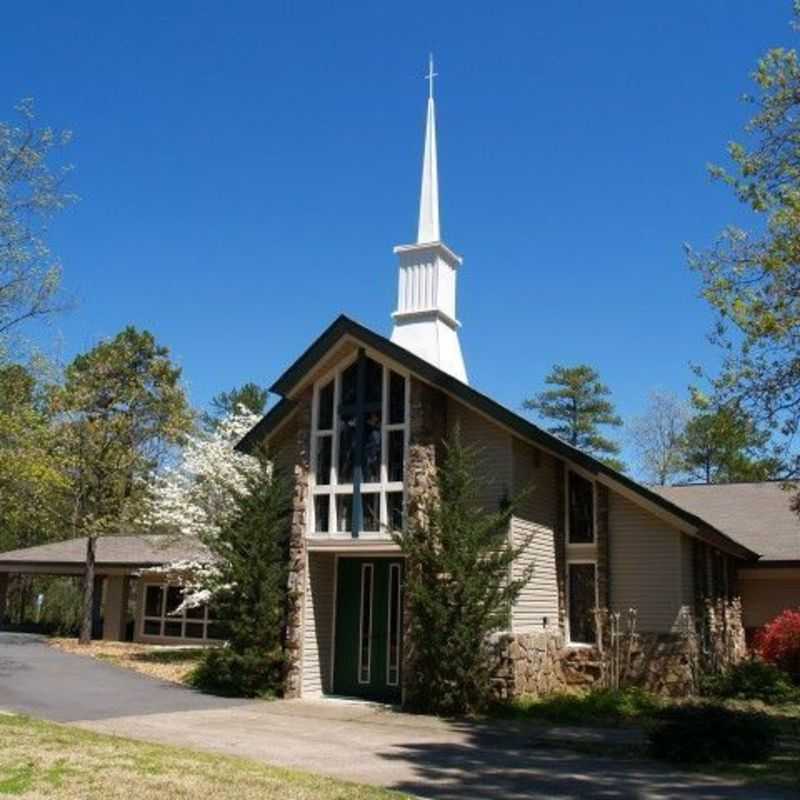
column 638, row 709
column 43, row 759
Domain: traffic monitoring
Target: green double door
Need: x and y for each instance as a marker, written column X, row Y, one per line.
column 369, row 628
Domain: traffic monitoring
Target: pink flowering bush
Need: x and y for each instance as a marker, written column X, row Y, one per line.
column 779, row 643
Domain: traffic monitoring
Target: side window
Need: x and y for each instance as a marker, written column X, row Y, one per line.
column 582, row 601
column 581, row 510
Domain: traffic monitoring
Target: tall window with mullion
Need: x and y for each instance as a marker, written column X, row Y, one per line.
column 359, row 449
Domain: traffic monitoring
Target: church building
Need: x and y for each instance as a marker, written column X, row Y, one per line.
column 359, row 425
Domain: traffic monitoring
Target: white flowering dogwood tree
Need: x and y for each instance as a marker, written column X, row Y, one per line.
column 198, row 497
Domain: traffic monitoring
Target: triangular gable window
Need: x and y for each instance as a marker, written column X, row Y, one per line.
column 359, row 444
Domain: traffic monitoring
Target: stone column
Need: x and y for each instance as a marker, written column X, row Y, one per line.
column 297, row 550
column 115, row 608
column 4, row 578
column 603, row 560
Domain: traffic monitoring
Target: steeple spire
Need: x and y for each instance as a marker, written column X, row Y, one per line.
column 428, row 230
column 425, row 320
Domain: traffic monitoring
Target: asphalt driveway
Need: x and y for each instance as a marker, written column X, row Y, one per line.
column 44, row 682
column 419, row 755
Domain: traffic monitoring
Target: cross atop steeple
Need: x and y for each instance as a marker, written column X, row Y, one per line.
column 430, row 76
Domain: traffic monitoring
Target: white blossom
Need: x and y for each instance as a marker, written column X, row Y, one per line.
column 196, row 497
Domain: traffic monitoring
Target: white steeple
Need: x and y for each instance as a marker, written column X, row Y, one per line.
column 428, row 230
column 425, row 320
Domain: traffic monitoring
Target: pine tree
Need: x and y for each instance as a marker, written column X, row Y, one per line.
column 250, row 591
column 580, row 406
column 458, row 587
column 225, row 404
column 122, row 408
column 721, row 444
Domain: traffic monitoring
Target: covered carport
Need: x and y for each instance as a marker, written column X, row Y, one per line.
column 120, row 562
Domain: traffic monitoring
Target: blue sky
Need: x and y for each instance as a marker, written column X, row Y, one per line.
column 246, row 168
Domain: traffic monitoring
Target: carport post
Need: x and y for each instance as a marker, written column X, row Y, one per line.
column 4, row 576
column 115, row 611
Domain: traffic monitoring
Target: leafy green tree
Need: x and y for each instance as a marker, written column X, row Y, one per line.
column 752, row 279
column 121, row 408
column 458, row 587
column 249, row 590
column 250, row 395
column 580, row 407
column 721, row 444
column 31, row 470
column 31, row 192
column 32, row 477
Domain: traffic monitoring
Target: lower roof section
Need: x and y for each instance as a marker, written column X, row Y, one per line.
column 112, row 553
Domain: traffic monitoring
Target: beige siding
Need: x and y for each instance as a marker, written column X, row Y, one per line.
column 283, row 446
column 687, row 571
column 647, row 562
column 534, row 523
column 764, row 598
column 318, row 624
column 493, row 444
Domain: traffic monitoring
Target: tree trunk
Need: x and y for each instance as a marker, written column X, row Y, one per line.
column 88, row 592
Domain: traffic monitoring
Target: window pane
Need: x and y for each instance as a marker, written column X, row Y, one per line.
column 581, row 510
column 152, row 627
column 322, row 504
column 349, row 382
column 397, row 398
column 581, row 603
column 396, row 439
column 197, row 612
column 371, row 503
column 344, row 513
column 194, row 630
column 325, row 408
column 172, row 628
column 347, row 441
column 393, row 652
column 374, row 383
column 324, row 455
column 152, row 601
column 366, row 624
column 174, row 598
column 394, row 503
column 372, row 448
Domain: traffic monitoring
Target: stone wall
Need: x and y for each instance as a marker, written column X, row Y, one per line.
column 527, row 664
column 664, row 663
column 539, row 664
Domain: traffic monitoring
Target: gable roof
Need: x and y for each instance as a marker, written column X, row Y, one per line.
column 756, row 514
column 111, row 551
column 343, row 327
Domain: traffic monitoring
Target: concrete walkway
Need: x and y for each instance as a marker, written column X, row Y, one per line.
column 423, row 756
